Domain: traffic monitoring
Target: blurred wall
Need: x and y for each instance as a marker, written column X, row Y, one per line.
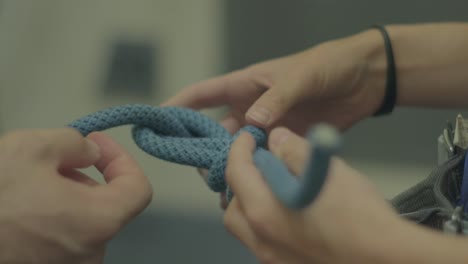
column 54, row 61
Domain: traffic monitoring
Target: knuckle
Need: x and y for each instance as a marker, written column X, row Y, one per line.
column 261, row 223
column 250, row 72
column 42, row 148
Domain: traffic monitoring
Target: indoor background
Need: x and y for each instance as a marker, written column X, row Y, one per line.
column 60, row 60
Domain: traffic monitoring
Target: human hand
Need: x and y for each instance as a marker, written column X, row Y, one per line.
column 349, row 222
column 52, row 213
column 327, row 83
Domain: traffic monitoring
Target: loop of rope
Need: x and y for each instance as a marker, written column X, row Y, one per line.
column 185, row 136
column 173, row 134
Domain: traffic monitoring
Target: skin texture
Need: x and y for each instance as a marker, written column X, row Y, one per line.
column 350, row 222
column 319, row 84
column 53, row 213
column 340, row 82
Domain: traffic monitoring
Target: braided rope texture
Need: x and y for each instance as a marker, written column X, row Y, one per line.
column 174, row 134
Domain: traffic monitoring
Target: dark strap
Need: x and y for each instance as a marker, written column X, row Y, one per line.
column 390, row 97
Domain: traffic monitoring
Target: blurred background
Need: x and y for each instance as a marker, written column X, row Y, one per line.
column 60, row 60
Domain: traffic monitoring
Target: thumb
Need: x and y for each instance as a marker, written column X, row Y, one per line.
column 126, row 182
column 270, row 107
column 290, row 148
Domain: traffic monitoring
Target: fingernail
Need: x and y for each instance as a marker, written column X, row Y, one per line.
column 94, row 148
column 278, row 136
column 260, row 114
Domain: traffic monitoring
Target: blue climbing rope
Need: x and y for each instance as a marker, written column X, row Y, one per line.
column 188, row 137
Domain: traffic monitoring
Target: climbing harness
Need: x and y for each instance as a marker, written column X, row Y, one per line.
column 439, row 200
column 188, row 137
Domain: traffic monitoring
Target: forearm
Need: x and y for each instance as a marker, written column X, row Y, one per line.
column 431, row 63
column 415, row 244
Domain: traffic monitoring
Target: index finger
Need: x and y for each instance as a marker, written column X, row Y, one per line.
column 125, row 179
column 206, row 94
column 65, row 148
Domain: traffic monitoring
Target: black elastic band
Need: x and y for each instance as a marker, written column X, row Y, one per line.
column 390, row 97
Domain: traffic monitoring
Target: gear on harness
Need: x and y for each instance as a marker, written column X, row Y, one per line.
column 435, row 201
column 187, row 137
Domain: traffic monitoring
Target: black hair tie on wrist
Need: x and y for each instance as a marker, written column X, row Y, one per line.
column 390, row 96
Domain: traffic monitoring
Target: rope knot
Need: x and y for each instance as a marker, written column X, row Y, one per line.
column 216, row 175
column 174, row 134
column 188, row 137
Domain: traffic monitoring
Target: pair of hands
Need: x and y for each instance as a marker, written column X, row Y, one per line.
column 55, row 214
column 339, row 226
column 339, row 82
column 324, row 84
column 52, row 213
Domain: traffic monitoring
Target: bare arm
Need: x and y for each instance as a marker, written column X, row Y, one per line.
column 422, row 245
column 431, row 63
column 345, row 75
column 333, row 229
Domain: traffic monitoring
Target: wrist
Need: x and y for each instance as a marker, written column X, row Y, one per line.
column 368, row 74
column 431, row 63
column 361, row 75
column 374, row 77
